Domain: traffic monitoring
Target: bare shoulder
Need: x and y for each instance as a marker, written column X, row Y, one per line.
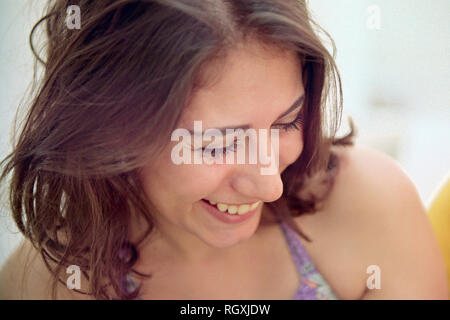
column 377, row 205
column 25, row 276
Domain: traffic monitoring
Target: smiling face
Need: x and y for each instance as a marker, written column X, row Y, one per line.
column 254, row 86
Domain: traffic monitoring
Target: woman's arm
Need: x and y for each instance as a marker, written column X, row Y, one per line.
column 21, row 276
column 398, row 237
column 25, row 276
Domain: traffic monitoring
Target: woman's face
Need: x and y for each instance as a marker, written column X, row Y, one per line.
column 253, row 87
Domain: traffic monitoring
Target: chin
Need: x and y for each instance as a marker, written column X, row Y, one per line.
column 228, row 238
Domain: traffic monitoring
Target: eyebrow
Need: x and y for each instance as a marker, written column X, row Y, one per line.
column 294, row 106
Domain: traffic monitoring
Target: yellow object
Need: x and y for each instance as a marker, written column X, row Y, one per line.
column 439, row 214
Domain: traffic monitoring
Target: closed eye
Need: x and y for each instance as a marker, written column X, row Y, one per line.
column 296, row 124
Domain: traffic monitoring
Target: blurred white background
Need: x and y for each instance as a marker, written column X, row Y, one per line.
column 394, row 61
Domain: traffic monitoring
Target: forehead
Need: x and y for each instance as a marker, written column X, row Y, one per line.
column 249, row 81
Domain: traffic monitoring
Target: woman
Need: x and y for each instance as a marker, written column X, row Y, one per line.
column 94, row 183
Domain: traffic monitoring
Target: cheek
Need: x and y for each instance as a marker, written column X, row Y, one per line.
column 191, row 183
column 176, row 187
column 291, row 147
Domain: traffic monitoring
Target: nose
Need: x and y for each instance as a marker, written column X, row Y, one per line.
column 251, row 184
column 255, row 181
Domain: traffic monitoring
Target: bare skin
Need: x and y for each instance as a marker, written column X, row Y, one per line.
column 373, row 216
column 353, row 231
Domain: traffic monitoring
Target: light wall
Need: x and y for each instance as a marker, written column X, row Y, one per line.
column 396, row 79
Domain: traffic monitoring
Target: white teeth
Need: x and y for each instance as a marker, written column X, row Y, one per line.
column 233, row 209
column 254, row 205
column 222, row 207
column 244, row 209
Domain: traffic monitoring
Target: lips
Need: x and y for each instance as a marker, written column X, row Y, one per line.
column 239, row 209
column 225, row 216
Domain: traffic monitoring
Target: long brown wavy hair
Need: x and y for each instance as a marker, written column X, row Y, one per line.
column 107, row 101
